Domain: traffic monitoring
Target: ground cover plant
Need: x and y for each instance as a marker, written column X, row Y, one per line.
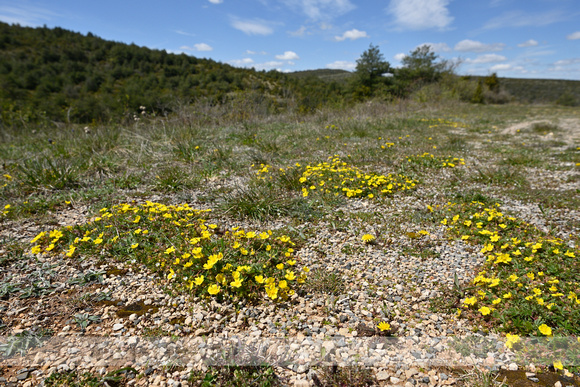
column 388, row 220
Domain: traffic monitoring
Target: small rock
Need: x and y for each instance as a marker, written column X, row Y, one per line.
column 22, row 376
column 558, row 384
column 395, row 380
column 118, row 327
column 426, row 380
column 534, row 379
column 443, row 376
column 382, row 375
column 513, row 367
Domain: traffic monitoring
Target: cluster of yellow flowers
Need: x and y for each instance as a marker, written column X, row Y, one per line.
column 433, row 161
column 336, row 176
column 525, row 271
column 194, row 255
column 437, row 122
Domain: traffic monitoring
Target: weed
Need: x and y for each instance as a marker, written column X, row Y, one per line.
column 327, row 282
column 236, row 376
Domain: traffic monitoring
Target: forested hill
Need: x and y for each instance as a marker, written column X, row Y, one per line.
column 56, row 75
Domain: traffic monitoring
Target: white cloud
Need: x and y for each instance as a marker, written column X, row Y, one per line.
column 500, row 67
column 198, row 47
column 420, row 14
column 475, row 46
column 203, row 47
column 299, row 32
column 399, row 57
column 574, row 36
column 437, row 47
column 567, row 62
column 353, row 34
column 184, row 33
column 522, row 19
column 487, row 58
column 342, row 65
column 252, row 27
column 216, row 1
column 320, row 9
column 288, row 55
column 241, row 62
column 250, row 52
column 529, row 43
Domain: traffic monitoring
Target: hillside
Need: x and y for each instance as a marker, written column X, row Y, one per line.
column 63, row 76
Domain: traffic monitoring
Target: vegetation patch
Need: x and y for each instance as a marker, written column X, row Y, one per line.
column 194, row 256
column 529, row 283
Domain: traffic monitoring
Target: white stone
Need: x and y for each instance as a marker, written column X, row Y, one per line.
column 382, row 375
column 118, row 327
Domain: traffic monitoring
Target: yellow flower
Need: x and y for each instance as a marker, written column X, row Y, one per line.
column 470, row 301
column 198, row 280
column 259, row 279
column 570, row 254
column 171, row 274
column 367, row 238
column 280, row 266
column 237, row 283
column 290, row 275
column 98, row 241
column 213, row 289
column 170, row 250
column 531, row 276
column 545, row 330
column 511, row 340
column 496, row 301
column 71, row 251
column 558, row 365
column 484, row 310
column 283, row 284
column 507, row 295
column 36, row 249
column 38, row 237
column 494, row 238
column 384, row 326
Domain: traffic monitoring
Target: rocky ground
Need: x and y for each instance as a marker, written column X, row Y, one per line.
column 99, row 317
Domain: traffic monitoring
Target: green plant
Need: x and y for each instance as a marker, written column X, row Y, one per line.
column 236, row 376
column 84, row 319
column 22, row 342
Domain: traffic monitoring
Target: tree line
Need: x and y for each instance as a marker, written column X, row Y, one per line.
column 53, row 75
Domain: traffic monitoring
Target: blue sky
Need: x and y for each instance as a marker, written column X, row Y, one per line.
column 514, row 38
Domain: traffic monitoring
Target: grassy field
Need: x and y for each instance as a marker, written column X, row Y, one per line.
column 502, row 180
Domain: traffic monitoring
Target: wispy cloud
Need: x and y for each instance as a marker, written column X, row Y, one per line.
column 437, row 47
column 184, row 33
column 353, row 34
column 500, row 67
column 420, row 14
column 475, row 46
column 567, row 62
column 342, row 65
column 198, row 47
column 487, row 58
column 252, row 27
column 299, row 32
column 574, row 36
column 288, row 55
column 320, row 9
column 245, row 62
column 25, row 15
column 522, row 19
column 216, row 1
column 529, row 43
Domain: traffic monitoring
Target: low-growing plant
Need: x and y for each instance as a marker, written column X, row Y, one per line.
column 194, row 256
column 529, row 283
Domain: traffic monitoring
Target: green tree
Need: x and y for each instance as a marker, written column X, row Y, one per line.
column 422, row 66
column 370, row 70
